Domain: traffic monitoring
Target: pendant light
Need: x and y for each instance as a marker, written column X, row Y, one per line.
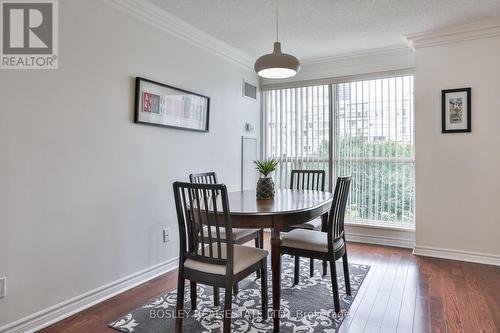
column 277, row 65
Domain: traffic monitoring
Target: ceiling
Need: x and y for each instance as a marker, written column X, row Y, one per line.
column 318, row 28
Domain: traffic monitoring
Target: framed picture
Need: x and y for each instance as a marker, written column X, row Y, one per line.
column 456, row 113
column 162, row 105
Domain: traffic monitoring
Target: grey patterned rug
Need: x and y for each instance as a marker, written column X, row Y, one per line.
column 307, row 307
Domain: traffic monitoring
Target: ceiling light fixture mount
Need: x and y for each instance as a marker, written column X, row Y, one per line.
column 277, row 65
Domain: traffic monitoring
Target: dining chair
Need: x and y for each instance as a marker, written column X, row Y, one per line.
column 307, row 180
column 214, row 262
column 329, row 245
column 240, row 236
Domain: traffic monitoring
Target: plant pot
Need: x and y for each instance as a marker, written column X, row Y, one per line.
column 265, row 188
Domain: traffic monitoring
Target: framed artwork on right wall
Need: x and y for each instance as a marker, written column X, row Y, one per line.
column 456, row 110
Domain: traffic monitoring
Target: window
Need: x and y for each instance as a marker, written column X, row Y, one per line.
column 296, row 130
column 374, row 143
column 372, row 140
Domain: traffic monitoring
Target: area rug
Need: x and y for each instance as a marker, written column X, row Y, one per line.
column 307, row 307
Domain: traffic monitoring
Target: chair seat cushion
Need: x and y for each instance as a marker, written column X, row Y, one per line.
column 237, row 233
column 244, row 257
column 309, row 240
column 311, row 225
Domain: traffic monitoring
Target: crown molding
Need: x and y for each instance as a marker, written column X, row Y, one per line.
column 372, row 55
column 379, row 60
column 163, row 20
column 477, row 30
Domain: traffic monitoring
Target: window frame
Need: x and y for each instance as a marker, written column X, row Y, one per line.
column 332, row 84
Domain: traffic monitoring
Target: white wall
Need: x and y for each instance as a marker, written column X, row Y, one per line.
column 85, row 192
column 458, row 175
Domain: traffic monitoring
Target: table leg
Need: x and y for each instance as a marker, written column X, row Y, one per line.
column 276, row 269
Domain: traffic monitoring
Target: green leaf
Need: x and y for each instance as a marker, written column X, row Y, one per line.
column 265, row 167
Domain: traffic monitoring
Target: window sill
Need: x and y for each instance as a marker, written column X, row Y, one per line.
column 398, row 227
column 388, row 235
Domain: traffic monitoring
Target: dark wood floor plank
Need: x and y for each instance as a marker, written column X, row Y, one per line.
column 491, row 282
column 421, row 322
column 478, row 307
column 469, row 320
column 438, row 296
column 450, row 301
column 438, row 324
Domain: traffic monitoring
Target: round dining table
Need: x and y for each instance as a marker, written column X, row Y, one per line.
column 287, row 208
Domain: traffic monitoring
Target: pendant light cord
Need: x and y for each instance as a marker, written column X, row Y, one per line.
column 277, row 18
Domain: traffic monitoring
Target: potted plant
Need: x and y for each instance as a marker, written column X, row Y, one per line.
column 265, row 185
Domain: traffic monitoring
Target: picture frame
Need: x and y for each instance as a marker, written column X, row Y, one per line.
column 456, row 110
column 159, row 104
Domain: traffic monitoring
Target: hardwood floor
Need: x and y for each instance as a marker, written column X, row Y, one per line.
column 402, row 293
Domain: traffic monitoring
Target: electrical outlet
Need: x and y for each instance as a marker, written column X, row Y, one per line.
column 3, row 287
column 166, row 235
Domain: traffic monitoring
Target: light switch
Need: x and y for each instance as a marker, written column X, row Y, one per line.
column 249, row 127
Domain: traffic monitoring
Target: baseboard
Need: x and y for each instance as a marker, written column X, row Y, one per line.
column 387, row 237
column 76, row 304
column 476, row 257
column 380, row 240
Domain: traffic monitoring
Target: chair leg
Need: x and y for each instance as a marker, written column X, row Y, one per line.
column 180, row 302
column 296, row 269
column 258, row 246
column 235, row 289
column 346, row 274
column 261, row 238
column 325, row 267
column 263, row 287
column 192, row 286
column 311, row 267
column 216, row 296
column 335, row 286
column 228, row 302
column 257, row 241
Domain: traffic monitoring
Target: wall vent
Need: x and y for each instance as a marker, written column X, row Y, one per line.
column 249, row 90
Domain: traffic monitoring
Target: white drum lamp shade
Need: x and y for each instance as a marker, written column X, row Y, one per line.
column 277, row 65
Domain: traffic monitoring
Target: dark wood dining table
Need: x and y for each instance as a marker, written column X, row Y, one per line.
column 289, row 207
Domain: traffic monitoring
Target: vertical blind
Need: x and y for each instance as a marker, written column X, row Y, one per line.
column 296, row 130
column 373, row 141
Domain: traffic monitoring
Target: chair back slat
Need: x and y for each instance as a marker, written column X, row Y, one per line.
column 197, row 220
column 203, row 208
column 217, row 230
column 308, row 180
column 207, row 178
column 203, row 178
column 209, row 226
column 337, row 212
